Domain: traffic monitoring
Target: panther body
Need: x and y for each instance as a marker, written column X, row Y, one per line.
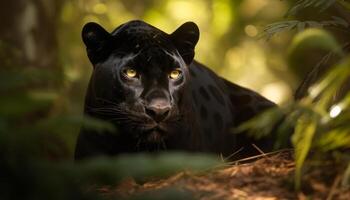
column 147, row 84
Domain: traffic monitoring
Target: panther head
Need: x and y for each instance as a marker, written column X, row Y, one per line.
column 139, row 77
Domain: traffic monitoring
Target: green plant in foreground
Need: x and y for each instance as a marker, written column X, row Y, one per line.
column 321, row 125
column 320, row 119
column 40, row 179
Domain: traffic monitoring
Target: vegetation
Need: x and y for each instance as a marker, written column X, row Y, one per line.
column 43, row 80
column 320, row 116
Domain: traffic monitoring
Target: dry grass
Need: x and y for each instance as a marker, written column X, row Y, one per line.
column 266, row 177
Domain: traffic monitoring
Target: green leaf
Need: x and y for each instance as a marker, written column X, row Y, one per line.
column 346, row 178
column 302, row 141
column 333, row 139
column 345, row 4
column 261, row 125
column 17, row 105
column 301, row 26
column 341, row 21
column 59, row 122
column 142, row 166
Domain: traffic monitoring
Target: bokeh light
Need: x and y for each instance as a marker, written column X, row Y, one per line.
column 335, row 111
column 251, row 30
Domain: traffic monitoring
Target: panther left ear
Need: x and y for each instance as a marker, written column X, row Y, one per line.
column 185, row 39
column 96, row 40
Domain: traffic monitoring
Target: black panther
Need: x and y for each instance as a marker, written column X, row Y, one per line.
column 148, row 85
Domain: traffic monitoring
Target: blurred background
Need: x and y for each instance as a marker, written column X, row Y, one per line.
column 228, row 42
column 45, row 70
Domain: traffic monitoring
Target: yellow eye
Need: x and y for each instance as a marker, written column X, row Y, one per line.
column 130, row 73
column 175, row 74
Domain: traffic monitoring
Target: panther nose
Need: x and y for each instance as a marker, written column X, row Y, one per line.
column 158, row 114
column 158, row 110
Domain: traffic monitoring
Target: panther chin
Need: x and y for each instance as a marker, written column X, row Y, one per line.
column 154, row 135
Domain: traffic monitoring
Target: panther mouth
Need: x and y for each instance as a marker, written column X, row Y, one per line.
column 155, row 134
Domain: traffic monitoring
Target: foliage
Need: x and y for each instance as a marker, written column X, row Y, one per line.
column 320, row 5
column 32, row 121
column 277, row 27
column 302, row 4
column 320, row 120
column 38, row 179
column 319, row 127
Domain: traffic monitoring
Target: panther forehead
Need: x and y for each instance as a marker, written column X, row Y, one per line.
column 141, row 35
column 136, row 26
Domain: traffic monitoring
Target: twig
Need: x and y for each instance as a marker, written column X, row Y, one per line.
column 334, row 187
column 258, row 156
column 260, row 151
column 236, row 152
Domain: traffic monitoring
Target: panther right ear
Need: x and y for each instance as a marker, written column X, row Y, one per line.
column 96, row 39
column 185, row 39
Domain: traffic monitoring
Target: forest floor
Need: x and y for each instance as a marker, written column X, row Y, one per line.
column 265, row 177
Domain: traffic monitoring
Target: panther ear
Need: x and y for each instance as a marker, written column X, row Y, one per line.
column 185, row 39
column 96, row 39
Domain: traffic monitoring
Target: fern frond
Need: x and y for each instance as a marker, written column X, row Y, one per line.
column 302, row 4
column 277, row 27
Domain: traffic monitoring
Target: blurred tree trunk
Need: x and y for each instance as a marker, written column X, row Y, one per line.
column 29, row 55
column 28, row 33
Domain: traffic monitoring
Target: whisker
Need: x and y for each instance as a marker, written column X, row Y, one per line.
column 106, row 100
column 138, row 144
column 163, row 144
